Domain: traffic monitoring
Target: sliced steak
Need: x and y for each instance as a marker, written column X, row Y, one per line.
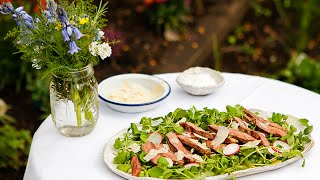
column 175, row 142
column 241, row 136
column 194, row 144
column 136, row 165
column 209, row 144
column 256, row 134
column 195, row 129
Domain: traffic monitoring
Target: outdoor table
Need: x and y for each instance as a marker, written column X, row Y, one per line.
column 56, row 157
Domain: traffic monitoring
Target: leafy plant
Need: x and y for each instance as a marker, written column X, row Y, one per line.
column 302, row 71
column 14, row 143
column 168, row 15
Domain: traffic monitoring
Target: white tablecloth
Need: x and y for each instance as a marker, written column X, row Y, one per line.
column 55, row 157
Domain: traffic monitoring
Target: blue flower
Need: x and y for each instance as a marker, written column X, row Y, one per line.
column 65, row 35
column 6, row 8
column 52, row 6
column 73, row 48
column 19, row 9
column 62, row 14
column 77, row 33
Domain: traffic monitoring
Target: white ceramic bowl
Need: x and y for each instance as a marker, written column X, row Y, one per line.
column 135, row 87
column 200, row 80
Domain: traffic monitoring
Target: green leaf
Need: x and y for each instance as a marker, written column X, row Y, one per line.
column 122, row 157
column 308, row 130
column 142, row 155
column 304, row 121
column 178, row 129
column 134, row 128
column 162, row 163
column 117, row 144
column 124, row 167
column 155, row 172
column 143, row 136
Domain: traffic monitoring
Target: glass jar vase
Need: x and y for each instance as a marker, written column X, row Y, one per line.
column 74, row 101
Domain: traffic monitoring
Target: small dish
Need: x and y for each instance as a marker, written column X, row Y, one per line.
column 133, row 93
column 200, row 80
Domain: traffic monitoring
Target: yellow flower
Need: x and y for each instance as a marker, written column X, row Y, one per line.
column 58, row 26
column 83, row 21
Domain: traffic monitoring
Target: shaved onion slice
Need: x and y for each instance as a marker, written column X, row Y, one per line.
column 181, row 120
column 251, row 143
column 155, row 138
column 201, row 137
column 221, row 136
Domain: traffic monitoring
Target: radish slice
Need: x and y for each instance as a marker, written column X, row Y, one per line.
column 221, row 136
column 155, row 138
column 271, row 151
column 231, row 149
column 280, row 146
column 188, row 166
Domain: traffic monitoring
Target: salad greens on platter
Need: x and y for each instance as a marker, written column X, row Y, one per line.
column 195, row 144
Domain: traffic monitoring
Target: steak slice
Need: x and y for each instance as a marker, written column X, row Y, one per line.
column 136, row 165
column 194, row 144
column 256, row 134
column 195, row 129
column 178, row 146
column 241, row 136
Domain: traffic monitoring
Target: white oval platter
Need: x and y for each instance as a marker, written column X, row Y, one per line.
column 109, row 153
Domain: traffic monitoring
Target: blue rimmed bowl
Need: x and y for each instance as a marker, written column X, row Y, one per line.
column 133, row 93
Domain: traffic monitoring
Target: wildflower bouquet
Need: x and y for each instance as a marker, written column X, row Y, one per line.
column 65, row 39
column 62, row 37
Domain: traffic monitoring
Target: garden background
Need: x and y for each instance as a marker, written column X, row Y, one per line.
column 278, row 39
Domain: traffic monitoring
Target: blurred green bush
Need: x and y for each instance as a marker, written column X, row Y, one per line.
column 14, row 143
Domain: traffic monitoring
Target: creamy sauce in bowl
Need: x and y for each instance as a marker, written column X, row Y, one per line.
column 132, row 92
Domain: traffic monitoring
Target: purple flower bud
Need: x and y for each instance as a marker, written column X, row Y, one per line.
column 77, row 33
column 69, row 31
column 4, row 9
column 19, row 9
column 48, row 14
column 65, row 35
column 9, row 6
column 25, row 16
column 37, row 20
column 73, row 48
column 62, row 14
column 15, row 18
column 29, row 24
column 52, row 6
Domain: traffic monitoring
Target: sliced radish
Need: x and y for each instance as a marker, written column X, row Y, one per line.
column 280, row 146
column 231, row 149
column 221, row 136
column 155, row 138
column 271, row 151
column 190, row 165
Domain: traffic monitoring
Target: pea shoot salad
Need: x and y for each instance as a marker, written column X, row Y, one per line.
column 195, row 144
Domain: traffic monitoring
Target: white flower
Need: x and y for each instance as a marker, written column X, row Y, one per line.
column 93, row 48
column 104, row 50
column 35, row 64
